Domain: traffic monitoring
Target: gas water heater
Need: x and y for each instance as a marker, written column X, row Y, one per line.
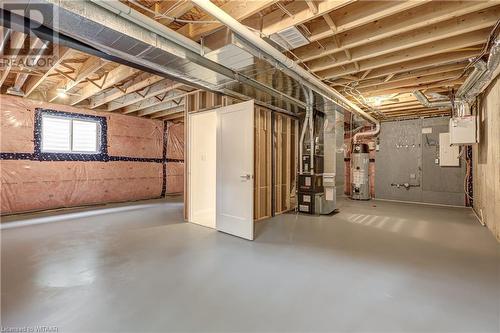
column 360, row 161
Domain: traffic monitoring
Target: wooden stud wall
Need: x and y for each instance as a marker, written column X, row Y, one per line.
column 203, row 100
column 285, row 141
column 262, row 164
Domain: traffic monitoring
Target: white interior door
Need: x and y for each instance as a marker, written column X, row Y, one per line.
column 202, row 159
column 235, row 153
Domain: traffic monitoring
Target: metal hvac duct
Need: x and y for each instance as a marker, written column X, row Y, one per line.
column 479, row 69
column 472, row 86
column 428, row 104
column 122, row 32
column 491, row 70
column 281, row 61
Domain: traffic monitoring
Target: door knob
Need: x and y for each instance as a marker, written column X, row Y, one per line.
column 247, row 176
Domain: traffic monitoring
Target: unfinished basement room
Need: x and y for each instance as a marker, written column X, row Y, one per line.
column 250, row 166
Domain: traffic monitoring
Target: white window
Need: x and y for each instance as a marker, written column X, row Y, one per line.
column 70, row 135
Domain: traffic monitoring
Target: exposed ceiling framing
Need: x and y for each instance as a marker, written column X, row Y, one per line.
column 377, row 52
column 74, row 78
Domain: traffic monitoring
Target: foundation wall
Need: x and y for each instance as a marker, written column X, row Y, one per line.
column 408, row 153
column 131, row 170
column 174, row 151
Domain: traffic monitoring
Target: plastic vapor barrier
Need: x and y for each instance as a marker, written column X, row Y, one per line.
column 131, row 168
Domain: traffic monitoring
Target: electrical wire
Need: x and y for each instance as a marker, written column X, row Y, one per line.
column 463, row 155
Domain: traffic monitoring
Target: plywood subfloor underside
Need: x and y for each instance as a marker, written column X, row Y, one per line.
column 393, row 267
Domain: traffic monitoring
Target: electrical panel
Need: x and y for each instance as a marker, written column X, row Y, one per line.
column 463, row 130
column 448, row 154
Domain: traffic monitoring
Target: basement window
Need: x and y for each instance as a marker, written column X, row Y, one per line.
column 70, row 134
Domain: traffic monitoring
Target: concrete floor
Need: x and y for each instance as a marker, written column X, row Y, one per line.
column 375, row 266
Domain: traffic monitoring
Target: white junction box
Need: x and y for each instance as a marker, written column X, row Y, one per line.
column 448, row 154
column 463, row 130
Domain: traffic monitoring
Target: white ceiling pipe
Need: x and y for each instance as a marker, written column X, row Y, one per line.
column 310, row 80
column 372, row 132
column 5, row 36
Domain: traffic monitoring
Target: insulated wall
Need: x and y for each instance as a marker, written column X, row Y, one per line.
column 174, row 150
column 408, row 153
column 131, row 169
column 486, row 157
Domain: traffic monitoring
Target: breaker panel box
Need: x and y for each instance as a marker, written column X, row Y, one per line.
column 463, row 130
column 448, row 154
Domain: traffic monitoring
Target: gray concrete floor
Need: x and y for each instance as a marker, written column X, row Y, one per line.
column 375, row 266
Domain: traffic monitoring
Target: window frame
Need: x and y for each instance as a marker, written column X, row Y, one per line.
column 102, row 150
column 71, row 142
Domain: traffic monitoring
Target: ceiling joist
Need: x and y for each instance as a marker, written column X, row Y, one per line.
column 419, row 17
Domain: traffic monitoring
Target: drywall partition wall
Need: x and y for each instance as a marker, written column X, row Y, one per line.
column 202, row 168
column 174, row 152
column 408, row 152
column 129, row 169
column 486, row 159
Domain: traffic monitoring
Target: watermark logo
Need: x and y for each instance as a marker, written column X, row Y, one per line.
column 29, row 329
column 28, row 35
